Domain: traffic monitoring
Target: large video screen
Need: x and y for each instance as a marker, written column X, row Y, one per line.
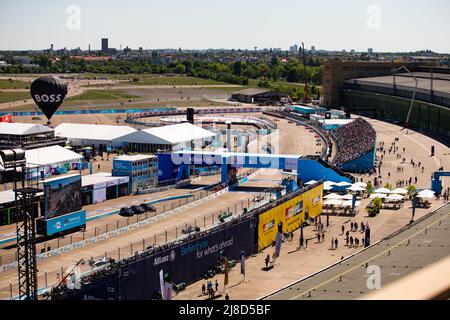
column 62, row 196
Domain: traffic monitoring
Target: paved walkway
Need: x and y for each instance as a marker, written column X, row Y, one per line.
column 416, row 247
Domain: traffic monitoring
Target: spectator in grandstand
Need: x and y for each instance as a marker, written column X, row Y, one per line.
column 354, row 140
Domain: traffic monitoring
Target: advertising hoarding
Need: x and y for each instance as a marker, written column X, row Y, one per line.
column 66, row 222
column 290, row 213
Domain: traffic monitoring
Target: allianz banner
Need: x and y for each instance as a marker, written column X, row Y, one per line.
column 186, row 262
column 290, row 213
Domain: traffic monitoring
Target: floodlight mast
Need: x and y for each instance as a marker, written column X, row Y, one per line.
column 414, row 92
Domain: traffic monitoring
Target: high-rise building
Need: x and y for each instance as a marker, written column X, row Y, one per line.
column 293, row 49
column 370, row 51
column 104, row 44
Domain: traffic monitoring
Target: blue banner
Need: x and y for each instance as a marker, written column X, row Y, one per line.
column 66, row 222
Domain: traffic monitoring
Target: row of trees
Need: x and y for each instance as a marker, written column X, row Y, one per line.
column 236, row 72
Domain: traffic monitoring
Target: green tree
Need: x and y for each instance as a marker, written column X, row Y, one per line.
column 180, row 69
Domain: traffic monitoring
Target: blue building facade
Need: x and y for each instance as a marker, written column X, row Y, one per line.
column 141, row 169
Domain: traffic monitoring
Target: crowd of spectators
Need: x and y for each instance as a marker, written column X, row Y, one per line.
column 354, row 140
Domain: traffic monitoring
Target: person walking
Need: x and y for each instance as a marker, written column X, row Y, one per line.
column 306, row 243
column 347, row 238
column 343, row 229
column 351, row 226
column 332, row 243
column 267, row 260
column 323, row 237
column 335, row 243
column 217, row 286
column 203, row 289
column 227, row 297
column 351, row 241
column 318, row 237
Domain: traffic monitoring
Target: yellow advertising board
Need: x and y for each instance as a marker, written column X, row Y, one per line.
column 290, row 213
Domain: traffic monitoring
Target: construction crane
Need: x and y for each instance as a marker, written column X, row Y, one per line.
column 305, row 76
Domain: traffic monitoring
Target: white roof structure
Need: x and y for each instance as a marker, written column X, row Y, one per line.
column 171, row 134
column 22, row 128
column 50, row 155
column 425, row 194
column 135, row 157
column 349, row 203
column 383, row 190
column 340, row 122
column 343, row 184
column 355, row 188
column 7, row 196
column 310, row 182
column 332, row 202
column 378, row 195
column 394, row 197
column 334, row 196
column 360, row 184
column 102, row 178
column 400, row 191
column 92, row 131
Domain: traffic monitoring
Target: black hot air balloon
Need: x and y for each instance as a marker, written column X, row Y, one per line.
column 48, row 92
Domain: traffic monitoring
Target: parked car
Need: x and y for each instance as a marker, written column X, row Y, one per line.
column 137, row 209
column 126, row 212
column 148, row 207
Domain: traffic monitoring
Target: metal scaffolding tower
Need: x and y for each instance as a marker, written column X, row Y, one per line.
column 26, row 243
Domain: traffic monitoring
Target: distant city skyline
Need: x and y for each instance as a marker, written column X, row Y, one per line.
column 385, row 26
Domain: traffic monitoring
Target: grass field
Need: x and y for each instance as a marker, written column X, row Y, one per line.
column 102, row 95
column 165, row 104
column 14, row 96
column 161, row 80
column 13, row 84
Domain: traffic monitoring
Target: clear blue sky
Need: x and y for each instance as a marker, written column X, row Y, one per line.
column 404, row 25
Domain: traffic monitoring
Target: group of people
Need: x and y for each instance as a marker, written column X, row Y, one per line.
column 351, row 241
column 210, row 289
column 354, row 140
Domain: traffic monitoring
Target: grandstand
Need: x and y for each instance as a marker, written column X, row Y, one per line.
column 355, row 143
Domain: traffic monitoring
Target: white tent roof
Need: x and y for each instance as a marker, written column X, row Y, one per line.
column 383, row 190
column 171, row 134
column 356, row 188
column 348, row 203
column 50, row 155
column 395, row 197
column 360, row 184
column 329, row 183
column 22, row 128
column 332, row 196
column 310, row 182
column 332, row 202
column 425, row 194
column 378, row 195
column 343, row 184
column 400, row 191
column 92, row 131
